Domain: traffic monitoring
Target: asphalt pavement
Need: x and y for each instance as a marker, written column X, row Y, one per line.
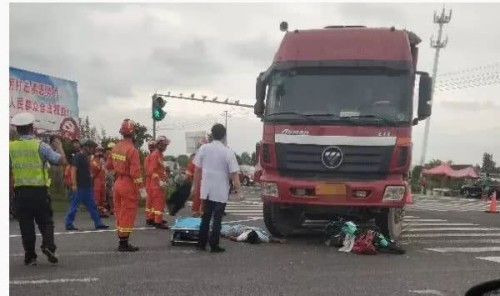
column 447, row 251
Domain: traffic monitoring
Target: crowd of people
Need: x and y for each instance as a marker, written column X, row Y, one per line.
column 109, row 181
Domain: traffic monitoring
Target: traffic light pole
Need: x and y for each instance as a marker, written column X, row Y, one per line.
column 154, row 129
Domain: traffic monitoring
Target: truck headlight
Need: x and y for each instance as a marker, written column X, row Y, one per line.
column 270, row 189
column 393, row 193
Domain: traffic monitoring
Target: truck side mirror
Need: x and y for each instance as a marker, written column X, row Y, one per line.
column 260, row 95
column 424, row 96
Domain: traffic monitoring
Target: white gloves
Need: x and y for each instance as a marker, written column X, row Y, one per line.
column 143, row 193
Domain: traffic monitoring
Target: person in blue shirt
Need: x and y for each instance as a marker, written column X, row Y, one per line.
column 82, row 187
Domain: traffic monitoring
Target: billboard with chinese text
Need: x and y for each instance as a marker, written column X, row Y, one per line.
column 53, row 101
column 193, row 140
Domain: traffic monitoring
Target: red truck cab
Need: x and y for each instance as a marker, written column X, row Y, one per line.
column 337, row 108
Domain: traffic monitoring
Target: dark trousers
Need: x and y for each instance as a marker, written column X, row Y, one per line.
column 33, row 205
column 215, row 209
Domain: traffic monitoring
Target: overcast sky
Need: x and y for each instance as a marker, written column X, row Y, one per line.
column 120, row 54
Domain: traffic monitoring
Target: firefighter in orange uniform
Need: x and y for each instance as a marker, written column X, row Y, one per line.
column 150, row 217
column 98, row 179
column 158, row 181
column 128, row 184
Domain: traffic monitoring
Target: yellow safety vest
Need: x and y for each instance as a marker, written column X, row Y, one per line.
column 27, row 166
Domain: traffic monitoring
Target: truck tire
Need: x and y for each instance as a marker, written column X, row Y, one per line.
column 390, row 222
column 281, row 222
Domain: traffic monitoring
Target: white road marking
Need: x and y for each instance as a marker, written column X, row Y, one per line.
column 465, row 250
column 441, row 224
column 427, row 292
column 246, row 220
column 425, row 220
column 493, row 259
column 451, row 234
column 454, row 229
column 56, row 281
column 86, row 231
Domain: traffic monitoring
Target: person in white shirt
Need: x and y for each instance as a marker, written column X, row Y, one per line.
column 216, row 164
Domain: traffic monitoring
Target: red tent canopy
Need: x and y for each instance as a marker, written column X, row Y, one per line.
column 440, row 170
column 469, row 172
column 445, row 170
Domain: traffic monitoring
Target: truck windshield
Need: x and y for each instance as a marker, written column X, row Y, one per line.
column 361, row 95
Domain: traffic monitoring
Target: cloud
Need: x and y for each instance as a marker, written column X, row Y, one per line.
column 120, row 54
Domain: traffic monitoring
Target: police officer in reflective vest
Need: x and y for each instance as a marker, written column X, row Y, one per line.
column 28, row 159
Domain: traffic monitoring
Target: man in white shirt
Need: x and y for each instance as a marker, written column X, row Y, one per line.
column 216, row 164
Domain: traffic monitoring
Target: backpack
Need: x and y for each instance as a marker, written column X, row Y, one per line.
column 364, row 244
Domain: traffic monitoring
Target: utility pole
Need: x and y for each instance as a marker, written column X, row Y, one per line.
column 438, row 44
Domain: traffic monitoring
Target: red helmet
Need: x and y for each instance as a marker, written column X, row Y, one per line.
column 127, row 128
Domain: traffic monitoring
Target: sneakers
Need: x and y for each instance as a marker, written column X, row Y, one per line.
column 127, row 248
column 217, row 250
column 161, row 226
column 51, row 256
column 150, row 222
column 71, row 227
column 98, row 227
column 30, row 261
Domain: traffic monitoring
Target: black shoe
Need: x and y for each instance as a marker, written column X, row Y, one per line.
column 101, row 227
column 161, row 226
column 30, row 262
column 71, row 227
column 50, row 255
column 150, row 222
column 127, row 248
column 217, row 250
column 104, row 215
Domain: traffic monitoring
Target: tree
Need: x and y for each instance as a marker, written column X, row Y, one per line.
column 254, row 158
column 246, row 159
column 141, row 135
column 489, row 165
column 238, row 158
column 433, row 163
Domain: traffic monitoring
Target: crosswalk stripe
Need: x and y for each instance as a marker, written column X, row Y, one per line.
column 491, row 258
column 425, row 220
column 441, row 224
column 456, row 241
column 453, row 229
column 451, row 234
column 465, row 249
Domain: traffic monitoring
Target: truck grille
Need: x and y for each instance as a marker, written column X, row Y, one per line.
column 360, row 162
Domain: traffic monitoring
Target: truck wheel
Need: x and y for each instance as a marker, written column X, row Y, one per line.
column 281, row 222
column 390, row 222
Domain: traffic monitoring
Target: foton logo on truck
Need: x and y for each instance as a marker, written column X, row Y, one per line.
column 337, row 126
column 291, row 132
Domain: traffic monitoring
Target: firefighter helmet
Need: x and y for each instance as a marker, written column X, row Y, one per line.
column 127, row 128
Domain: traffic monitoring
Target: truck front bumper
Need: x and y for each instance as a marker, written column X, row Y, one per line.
column 388, row 193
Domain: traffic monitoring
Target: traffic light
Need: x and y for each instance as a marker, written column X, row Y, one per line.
column 157, row 108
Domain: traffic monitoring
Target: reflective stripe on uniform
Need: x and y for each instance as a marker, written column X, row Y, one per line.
column 138, row 180
column 157, row 212
column 27, row 166
column 124, row 229
column 119, row 157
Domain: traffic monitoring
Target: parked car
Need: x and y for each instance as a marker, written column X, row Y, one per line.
column 475, row 190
